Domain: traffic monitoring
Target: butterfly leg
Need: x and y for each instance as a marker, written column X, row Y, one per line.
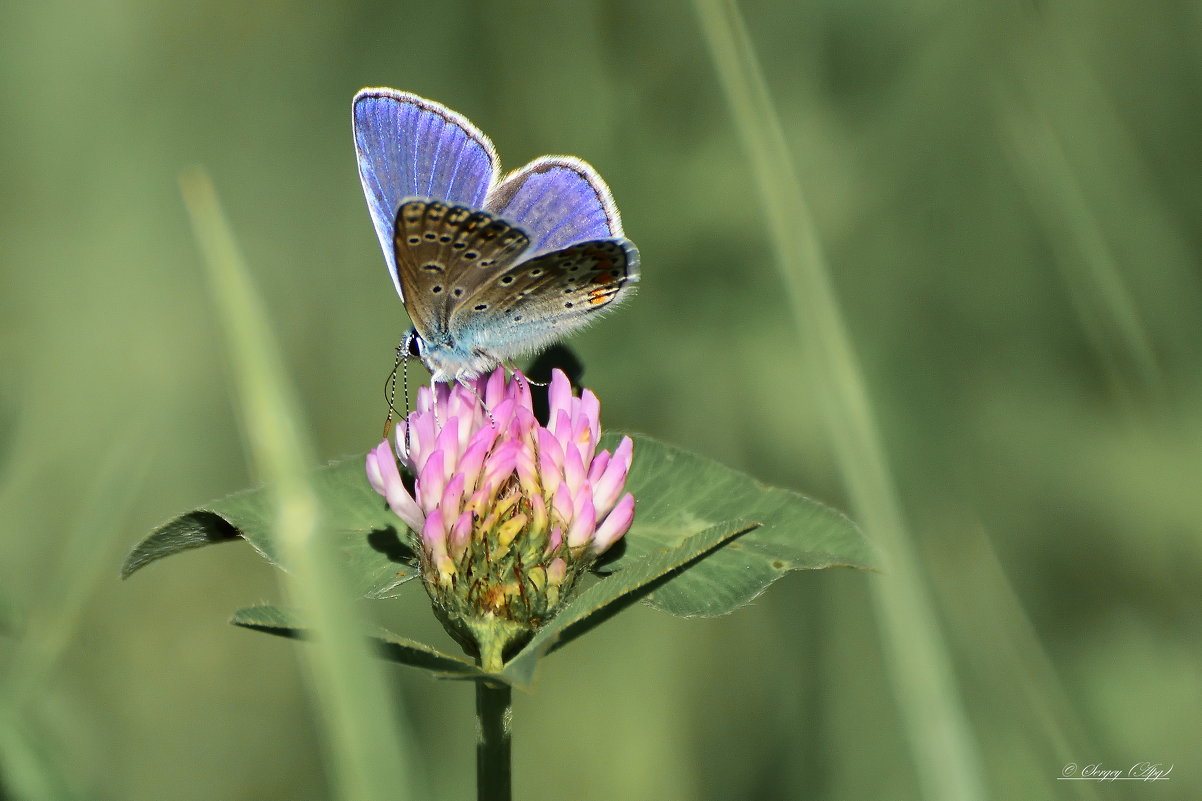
column 467, row 384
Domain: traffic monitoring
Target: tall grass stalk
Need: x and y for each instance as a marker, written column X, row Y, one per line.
column 1119, row 236
column 1012, row 661
column 942, row 743
column 28, row 764
column 1091, row 272
column 369, row 755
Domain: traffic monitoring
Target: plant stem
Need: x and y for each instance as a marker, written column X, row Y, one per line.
column 494, row 713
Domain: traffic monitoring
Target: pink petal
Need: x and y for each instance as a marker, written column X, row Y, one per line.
column 583, row 525
column 472, row 462
column 431, row 482
column 498, row 466
column 424, row 398
column 561, row 427
column 403, row 446
column 442, row 396
column 448, row 442
column 597, row 468
column 421, row 439
column 521, row 392
column 383, row 464
column 485, row 434
column 590, row 409
column 494, row 391
column 624, row 452
column 573, row 470
column 527, row 469
column 616, row 524
column 555, row 540
column 607, row 488
column 461, row 533
column 434, row 534
column 558, row 396
column 561, row 503
column 502, row 414
column 550, row 461
column 452, row 496
column 376, row 472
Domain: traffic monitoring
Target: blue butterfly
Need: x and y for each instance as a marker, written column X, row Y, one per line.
column 489, row 268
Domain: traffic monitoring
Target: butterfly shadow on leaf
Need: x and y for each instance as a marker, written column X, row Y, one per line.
column 387, row 542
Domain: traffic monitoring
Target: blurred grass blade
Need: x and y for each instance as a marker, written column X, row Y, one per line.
column 30, row 768
column 54, row 621
column 81, row 564
column 1012, row 661
column 943, row 745
column 1091, row 273
column 369, row 757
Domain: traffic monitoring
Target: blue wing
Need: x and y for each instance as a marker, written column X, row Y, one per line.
column 558, row 201
column 410, row 147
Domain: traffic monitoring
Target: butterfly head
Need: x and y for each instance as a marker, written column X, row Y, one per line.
column 448, row 361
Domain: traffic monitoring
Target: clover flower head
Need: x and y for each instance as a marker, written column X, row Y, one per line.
column 509, row 511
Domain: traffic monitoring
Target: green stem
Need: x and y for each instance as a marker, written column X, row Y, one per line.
column 494, row 713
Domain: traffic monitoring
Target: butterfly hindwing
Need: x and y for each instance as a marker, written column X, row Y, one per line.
column 558, row 201
column 444, row 254
column 408, row 146
column 539, row 300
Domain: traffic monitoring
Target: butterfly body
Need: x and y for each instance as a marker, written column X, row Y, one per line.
column 489, row 270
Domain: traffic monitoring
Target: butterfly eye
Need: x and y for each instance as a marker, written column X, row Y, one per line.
column 507, row 280
column 536, row 272
column 480, row 306
column 433, row 267
column 413, row 240
column 436, row 288
column 458, row 291
column 568, row 305
column 471, row 254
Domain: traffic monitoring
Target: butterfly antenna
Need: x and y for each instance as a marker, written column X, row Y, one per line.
column 400, row 363
column 405, row 350
column 390, row 394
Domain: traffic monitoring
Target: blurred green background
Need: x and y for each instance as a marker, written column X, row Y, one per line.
column 1008, row 196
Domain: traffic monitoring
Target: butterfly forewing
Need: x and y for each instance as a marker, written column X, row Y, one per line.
column 444, row 254
column 408, row 146
column 534, row 302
